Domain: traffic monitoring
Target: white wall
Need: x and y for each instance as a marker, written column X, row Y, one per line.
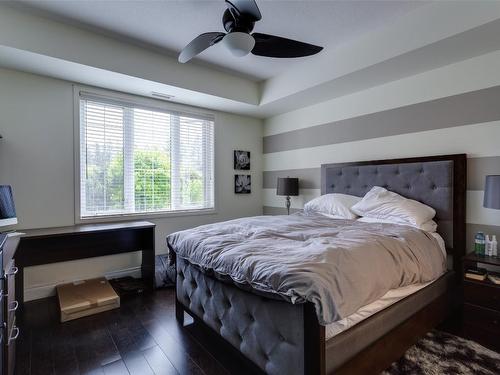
column 36, row 158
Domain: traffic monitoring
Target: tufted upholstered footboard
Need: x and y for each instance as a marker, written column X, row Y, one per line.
column 278, row 337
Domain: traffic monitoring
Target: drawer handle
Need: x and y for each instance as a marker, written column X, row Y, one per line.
column 12, row 271
column 15, row 335
column 14, row 308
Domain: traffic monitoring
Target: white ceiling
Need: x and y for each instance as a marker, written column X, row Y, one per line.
column 171, row 24
column 431, row 36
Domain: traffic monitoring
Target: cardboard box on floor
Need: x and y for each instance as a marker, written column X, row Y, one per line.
column 87, row 297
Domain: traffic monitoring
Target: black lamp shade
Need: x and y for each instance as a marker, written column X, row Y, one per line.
column 492, row 192
column 288, row 186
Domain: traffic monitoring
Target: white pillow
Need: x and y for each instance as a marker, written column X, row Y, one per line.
column 337, row 206
column 429, row 226
column 379, row 203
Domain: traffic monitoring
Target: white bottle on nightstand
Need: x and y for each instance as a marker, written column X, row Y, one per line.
column 494, row 246
column 487, row 247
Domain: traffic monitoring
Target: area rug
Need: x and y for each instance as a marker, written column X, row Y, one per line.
column 440, row 353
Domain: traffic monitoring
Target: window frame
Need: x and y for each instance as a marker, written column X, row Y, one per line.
column 146, row 103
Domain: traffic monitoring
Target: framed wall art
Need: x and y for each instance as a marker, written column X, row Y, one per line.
column 242, row 184
column 241, row 160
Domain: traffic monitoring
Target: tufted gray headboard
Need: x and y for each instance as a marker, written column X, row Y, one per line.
column 437, row 181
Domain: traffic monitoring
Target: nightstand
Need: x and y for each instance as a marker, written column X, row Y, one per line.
column 481, row 310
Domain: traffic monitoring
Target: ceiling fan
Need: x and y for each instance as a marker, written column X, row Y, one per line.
column 239, row 20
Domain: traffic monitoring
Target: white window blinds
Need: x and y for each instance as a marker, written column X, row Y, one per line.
column 135, row 159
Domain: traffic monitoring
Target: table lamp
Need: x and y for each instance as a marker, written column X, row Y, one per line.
column 492, row 192
column 288, row 187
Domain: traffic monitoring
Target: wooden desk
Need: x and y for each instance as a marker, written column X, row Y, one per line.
column 52, row 245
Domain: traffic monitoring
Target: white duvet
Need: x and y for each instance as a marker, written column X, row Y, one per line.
column 338, row 265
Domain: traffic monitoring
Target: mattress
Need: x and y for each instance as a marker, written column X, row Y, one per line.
column 388, row 299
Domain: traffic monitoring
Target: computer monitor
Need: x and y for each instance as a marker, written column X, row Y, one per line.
column 7, row 208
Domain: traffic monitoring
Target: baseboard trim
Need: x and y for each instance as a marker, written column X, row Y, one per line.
column 47, row 290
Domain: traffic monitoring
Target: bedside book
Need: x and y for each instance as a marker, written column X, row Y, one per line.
column 478, row 274
column 494, row 277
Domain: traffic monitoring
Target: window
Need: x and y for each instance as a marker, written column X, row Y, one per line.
column 137, row 160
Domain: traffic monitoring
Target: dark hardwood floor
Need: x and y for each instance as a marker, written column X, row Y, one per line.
column 141, row 337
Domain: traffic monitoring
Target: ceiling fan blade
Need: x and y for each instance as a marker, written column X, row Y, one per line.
column 276, row 46
column 199, row 44
column 245, row 8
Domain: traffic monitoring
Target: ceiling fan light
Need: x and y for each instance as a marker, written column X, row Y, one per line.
column 240, row 44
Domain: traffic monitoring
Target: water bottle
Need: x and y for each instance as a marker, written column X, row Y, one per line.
column 479, row 243
column 494, row 246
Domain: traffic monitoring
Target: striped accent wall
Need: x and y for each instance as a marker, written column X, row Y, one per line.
column 443, row 111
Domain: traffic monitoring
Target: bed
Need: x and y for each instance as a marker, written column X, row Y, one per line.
column 275, row 336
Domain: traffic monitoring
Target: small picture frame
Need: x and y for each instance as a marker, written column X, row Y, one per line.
column 242, row 184
column 241, row 160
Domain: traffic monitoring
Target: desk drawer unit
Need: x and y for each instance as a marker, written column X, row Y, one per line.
column 3, row 330
column 11, row 304
column 10, row 331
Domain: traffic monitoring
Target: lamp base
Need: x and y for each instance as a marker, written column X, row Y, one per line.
column 288, row 204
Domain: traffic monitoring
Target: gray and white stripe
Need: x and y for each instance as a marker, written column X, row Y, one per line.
column 475, row 107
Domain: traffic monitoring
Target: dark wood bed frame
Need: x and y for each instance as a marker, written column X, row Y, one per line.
column 389, row 348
